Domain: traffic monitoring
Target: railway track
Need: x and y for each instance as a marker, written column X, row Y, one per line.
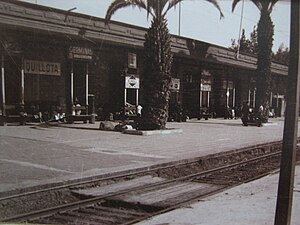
column 137, row 197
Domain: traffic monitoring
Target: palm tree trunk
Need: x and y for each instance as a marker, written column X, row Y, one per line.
column 156, row 77
column 263, row 73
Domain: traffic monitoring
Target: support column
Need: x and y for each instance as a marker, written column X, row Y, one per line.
column 3, row 85
column 22, row 82
column 125, row 96
column 227, row 97
column 37, row 80
column 200, row 101
column 87, row 88
column 254, row 97
column 208, row 99
column 249, row 96
column 72, row 85
column 233, row 98
column 277, row 100
column 137, row 97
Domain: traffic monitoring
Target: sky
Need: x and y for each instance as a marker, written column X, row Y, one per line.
column 200, row 20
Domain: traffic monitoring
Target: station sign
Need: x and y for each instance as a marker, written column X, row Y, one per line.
column 80, row 53
column 205, row 87
column 42, row 68
column 132, row 81
column 174, row 85
column 132, row 61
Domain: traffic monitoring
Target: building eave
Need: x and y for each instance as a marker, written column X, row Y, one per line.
column 36, row 18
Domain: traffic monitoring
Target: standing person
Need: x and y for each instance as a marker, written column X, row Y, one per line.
column 138, row 116
column 245, row 113
column 77, row 111
column 260, row 113
column 139, row 111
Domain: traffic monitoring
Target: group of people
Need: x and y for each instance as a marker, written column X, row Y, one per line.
column 250, row 115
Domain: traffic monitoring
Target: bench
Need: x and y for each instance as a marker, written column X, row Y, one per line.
column 13, row 115
column 78, row 108
column 78, row 116
column 84, row 118
column 204, row 115
column 130, row 112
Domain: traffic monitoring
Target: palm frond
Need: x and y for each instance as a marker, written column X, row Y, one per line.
column 234, row 3
column 157, row 6
column 258, row 4
column 266, row 5
column 273, row 2
column 216, row 4
column 173, row 3
column 150, row 6
column 117, row 4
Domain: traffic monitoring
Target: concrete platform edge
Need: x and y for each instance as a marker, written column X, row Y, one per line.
column 153, row 132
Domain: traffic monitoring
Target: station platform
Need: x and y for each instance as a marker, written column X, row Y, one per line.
column 40, row 154
column 252, row 203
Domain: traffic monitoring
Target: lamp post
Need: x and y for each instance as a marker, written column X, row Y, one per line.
column 240, row 30
column 179, row 19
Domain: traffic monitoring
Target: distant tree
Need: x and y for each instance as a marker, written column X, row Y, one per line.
column 253, row 41
column 246, row 45
column 282, row 54
column 250, row 45
column 234, row 44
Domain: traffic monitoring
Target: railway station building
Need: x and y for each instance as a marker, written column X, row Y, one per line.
column 56, row 58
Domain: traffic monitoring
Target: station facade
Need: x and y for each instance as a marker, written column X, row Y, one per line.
column 52, row 57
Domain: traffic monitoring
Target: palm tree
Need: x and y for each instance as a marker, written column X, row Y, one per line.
column 265, row 32
column 157, row 59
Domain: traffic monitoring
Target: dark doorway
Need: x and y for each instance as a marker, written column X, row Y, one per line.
column 79, row 69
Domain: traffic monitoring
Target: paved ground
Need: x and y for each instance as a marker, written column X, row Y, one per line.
column 33, row 155
column 252, row 203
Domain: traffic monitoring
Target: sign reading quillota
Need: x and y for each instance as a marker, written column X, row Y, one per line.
column 42, row 67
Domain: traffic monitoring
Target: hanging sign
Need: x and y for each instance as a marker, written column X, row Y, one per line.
column 41, row 67
column 132, row 81
column 80, row 53
column 174, row 85
column 132, row 61
column 205, row 87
